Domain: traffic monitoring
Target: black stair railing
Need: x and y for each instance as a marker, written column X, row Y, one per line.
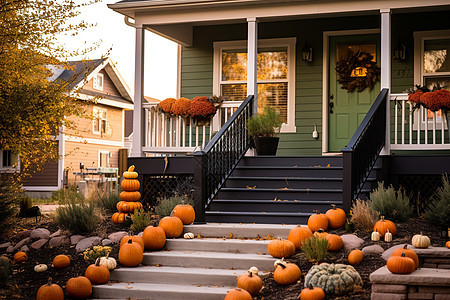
column 363, row 149
column 214, row 164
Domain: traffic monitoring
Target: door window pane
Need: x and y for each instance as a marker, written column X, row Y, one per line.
column 344, row 51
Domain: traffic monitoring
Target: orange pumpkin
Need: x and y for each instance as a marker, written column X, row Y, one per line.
column 20, row 257
column 400, row 264
column 250, row 282
column 119, row 218
column 336, row 217
column 355, row 257
column 134, row 238
column 97, row 273
column 408, row 253
column 185, row 212
column 154, row 238
column 130, row 174
column 317, row 221
column 130, row 185
column 312, row 293
column 61, row 261
column 238, row 294
column 298, row 235
column 281, row 248
column 383, row 225
column 79, row 287
column 447, row 244
column 172, row 226
column 130, row 196
column 335, row 242
column 50, row 291
column 131, row 254
column 286, row 274
column 128, row 207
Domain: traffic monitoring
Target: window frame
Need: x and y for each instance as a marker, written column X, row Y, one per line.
column 100, row 120
column 96, row 84
column 8, row 169
column 108, row 156
column 289, row 43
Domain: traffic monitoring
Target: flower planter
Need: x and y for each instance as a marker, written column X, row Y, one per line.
column 266, row 145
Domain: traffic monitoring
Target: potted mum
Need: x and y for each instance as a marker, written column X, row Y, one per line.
column 263, row 128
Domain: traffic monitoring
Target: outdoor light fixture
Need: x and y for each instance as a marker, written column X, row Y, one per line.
column 81, row 167
column 400, row 51
column 307, row 53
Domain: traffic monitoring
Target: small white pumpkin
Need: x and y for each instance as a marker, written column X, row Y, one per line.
column 388, row 236
column 375, row 236
column 40, row 268
column 421, row 241
column 108, row 262
column 188, row 235
column 254, row 270
column 278, row 261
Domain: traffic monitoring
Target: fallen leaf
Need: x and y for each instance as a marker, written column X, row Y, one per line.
column 328, row 165
column 251, row 187
column 230, row 235
column 129, row 287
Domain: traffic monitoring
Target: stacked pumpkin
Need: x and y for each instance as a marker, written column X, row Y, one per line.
column 130, row 196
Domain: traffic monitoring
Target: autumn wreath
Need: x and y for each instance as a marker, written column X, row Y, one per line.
column 358, row 72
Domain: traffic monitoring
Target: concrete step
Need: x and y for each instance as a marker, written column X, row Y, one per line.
column 258, row 217
column 281, row 193
column 273, row 205
column 155, row 291
column 308, row 161
column 218, row 245
column 215, row 260
column 290, row 171
column 239, row 230
column 282, row 182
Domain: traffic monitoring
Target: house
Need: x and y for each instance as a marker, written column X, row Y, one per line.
column 98, row 138
column 321, row 64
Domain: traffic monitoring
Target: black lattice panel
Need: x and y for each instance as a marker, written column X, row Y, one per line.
column 420, row 188
column 159, row 186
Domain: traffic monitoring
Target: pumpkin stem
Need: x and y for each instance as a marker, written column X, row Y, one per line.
column 281, row 265
column 333, row 206
column 131, row 168
column 403, row 254
column 405, row 247
column 388, row 230
column 310, row 286
column 49, row 282
column 130, row 241
column 97, row 262
column 382, row 218
column 250, row 273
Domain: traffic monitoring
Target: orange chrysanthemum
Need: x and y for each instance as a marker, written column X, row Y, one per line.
column 166, row 105
column 201, row 108
column 181, row 107
column 415, row 97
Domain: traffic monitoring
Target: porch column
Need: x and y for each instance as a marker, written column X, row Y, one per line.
column 138, row 124
column 386, row 71
column 252, row 50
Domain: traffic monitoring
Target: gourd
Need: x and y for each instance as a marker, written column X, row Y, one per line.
column 238, row 294
column 336, row 217
column 172, row 226
column 375, row 236
column 333, row 279
column 312, row 293
column 130, row 196
column 447, row 244
column 61, row 261
column 281, row 248
column 188, row 235
column 408, row 253
column 185, row 212
column 134, row 238
column 421, row 241
column 277, row 262
column 286, row 274
column 119, row 218
column 383, row 225
column 317, row 221
column 109, row 262
column 50, row 291
column 254, row 270
column 154, row 238
column 20, row 257
column 130, row 174
column 388, row 236
column 400, row 264
column 355, row 257
column 79, row 287
column 320, row 233
column 298, row 235
column 335, row 242
column 250, row 282
column 40, row 268
column 97, row 273
column 131, row 254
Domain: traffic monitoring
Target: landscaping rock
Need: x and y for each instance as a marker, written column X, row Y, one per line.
column 22, row 234
column 351, row 241
column 58, row 241
column 388, row 253
column 106, row 242
column 40, row 233
column 374, row 249
column 55, row 234
column 21, row 243
column 141, row 233
column 25, row 248
column 87, row 243
column 117, row 236
column 10, row 249
column 74, row 239
column 38, row 244
column 5, row 245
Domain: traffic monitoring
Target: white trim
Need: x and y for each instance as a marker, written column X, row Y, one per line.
column 93, row 141
column 326, row 77
column 61, row 146
column 138, row 122
column 99, row 154
column 40, row 188
column 179, row 51
column 252, row 53
column 95, row 82
column 103, row 100
column 385, row 79
column 262, row 43
column 96, row 111
column 420, row 147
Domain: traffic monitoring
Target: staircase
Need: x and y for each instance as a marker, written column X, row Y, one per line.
column 205, row 268
column 282, row 190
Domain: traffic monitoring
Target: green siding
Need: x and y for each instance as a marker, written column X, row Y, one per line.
column 197, row 63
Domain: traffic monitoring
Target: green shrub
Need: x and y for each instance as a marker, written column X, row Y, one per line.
column 79, row 218
column 315, row 248
column 96, row 252
column 5, row 271
column 363, row 216
column 266, row 124
column 9, row 193
column 165, row 205
column 393, row 205
column 108, row 201
column 63, row 196
column 439, row 210
column 25, row 203
column 140, row 219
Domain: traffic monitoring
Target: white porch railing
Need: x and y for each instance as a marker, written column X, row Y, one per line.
column 178, row 135
column 417, row 129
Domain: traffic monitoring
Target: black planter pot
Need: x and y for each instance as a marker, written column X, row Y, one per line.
column 266, row 145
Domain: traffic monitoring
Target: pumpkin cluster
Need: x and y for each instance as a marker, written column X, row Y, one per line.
column 130, row 196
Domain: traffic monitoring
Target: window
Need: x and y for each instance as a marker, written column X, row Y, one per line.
column 8, row 159
column 103, row 159
column 98, row 82
column 99, row 123
column 275, row 75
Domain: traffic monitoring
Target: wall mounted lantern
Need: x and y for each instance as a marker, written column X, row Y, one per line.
column 307, row 53
column 400, row 51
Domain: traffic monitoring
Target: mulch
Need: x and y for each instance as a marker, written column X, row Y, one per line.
column 25, row 282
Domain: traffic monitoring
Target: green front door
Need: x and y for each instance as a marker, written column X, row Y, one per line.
column 346, row 110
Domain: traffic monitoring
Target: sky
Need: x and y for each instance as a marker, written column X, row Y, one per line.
column 111, row 31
